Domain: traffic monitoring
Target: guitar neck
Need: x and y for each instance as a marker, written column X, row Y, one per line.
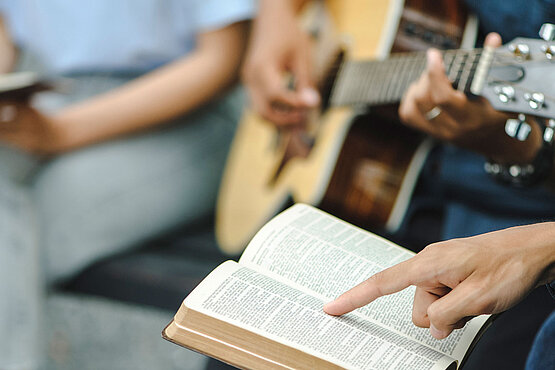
column 385, row 82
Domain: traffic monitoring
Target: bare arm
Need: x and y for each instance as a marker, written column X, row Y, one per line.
column 158, row 96
column 8, row 51
column 148, row 101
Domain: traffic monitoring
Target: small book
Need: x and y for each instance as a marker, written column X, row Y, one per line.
column 265, row 311
column 20, row 86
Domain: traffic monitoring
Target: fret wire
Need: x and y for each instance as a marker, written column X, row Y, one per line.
column 357, row 77
column 462, row 61
column 474, row 67
column 348, row 81
column 337, row 89
column 400, row 82
column 374, row 82
column 393, row 81
column 396, row 80
column 417, row 71
column 363, row 81
column 369, row 83
column 417, row 67
column 448, row 59
column 351, row 82
column 463, row 79
column 383, row 83
column 470, row 66
column 360, row 77
column 454, row 72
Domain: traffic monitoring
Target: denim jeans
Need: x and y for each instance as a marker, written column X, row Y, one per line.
column 542, row 354
column 58, row 216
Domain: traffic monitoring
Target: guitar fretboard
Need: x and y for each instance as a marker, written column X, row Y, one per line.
column 385, row 82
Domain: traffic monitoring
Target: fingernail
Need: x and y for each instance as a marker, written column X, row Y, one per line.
column 429, row 56
column 310, row 96
column 438, row 334
column 330, row 308
column 433, row 56
column 328, row 305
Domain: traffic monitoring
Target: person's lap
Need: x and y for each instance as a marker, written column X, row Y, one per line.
column 102, row 199
column 541, row 355
column 20, row 290
column 473, row 203
column 66, row 213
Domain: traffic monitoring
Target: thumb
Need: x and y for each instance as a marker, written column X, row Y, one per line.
column 493, row 40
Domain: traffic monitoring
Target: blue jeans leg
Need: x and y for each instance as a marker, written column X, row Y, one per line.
column 21, row 290
column 542, row 354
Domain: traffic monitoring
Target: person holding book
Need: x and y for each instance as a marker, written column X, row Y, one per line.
column 134, row 147
column 265, row 310
column 453, row 179
column 462, row 278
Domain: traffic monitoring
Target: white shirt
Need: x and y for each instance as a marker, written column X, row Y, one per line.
column 115, row 35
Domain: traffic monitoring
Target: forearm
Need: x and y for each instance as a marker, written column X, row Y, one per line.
column 8, row 52
column 161, row 95
column 532, row 248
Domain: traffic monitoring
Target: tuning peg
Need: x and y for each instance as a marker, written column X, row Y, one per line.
column 547, row 32
column 535, row 100
column 549, row 131
column 549, row 51
column 518, row 128
column 521, row 51
column 505, row 93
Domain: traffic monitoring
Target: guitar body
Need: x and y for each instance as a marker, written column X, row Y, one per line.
column 361, row 167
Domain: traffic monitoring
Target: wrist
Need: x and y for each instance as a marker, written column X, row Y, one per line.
column 544, row 251
column 64, row 136
column 548, row 275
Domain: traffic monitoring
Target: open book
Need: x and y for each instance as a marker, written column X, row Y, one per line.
column 266, row 310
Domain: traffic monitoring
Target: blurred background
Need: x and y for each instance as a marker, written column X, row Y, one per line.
column 116, row 119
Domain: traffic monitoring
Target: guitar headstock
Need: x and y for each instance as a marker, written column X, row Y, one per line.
column 519, row 77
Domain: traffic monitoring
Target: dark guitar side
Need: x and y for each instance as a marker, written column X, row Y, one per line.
column 378, row 149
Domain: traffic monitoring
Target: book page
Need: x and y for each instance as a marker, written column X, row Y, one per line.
column 327, row 256
column 246, row 298
column 17, row 80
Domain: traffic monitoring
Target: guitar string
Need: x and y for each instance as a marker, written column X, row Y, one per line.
column 348, row 72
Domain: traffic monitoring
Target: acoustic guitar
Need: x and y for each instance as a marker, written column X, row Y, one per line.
column 361, row 165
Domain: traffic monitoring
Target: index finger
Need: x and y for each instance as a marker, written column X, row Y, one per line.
column 388, row 281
